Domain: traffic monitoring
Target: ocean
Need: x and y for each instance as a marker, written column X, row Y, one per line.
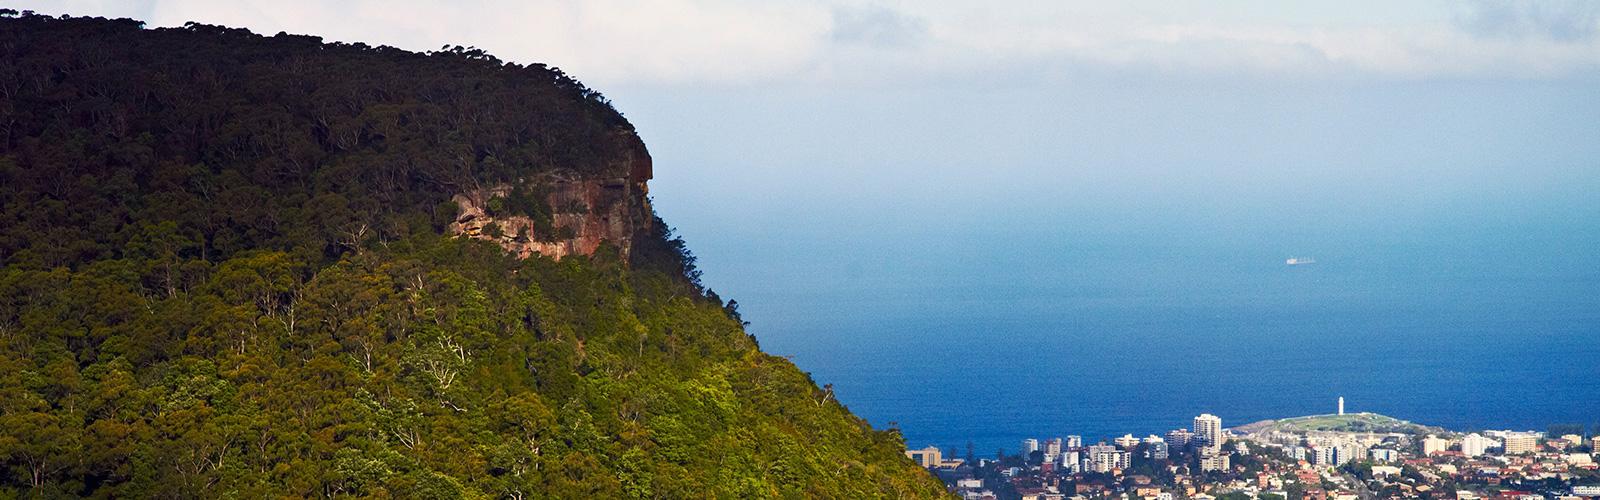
column 1106, row 255
column 990, row 334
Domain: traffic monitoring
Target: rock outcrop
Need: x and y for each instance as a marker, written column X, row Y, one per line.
column 582, row 214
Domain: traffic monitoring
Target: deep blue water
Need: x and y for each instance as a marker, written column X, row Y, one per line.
column 1106, row 256
column 1003, row 333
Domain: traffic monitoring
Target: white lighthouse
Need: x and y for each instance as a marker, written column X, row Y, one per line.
column 1341, row 405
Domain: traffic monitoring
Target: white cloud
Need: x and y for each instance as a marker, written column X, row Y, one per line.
column 878, row 27
column 1558, row 20
column 1432, row 45
column 613, row 42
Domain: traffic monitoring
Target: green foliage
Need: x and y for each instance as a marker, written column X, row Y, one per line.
column 1352, row 422
column 1361, row 469
column 1558, row 430
column 1296, row 490
column 496, row 207
column 203, row 141
column 449, row 369
column 222, row 274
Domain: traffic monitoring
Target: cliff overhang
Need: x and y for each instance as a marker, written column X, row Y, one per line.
column 559, row 214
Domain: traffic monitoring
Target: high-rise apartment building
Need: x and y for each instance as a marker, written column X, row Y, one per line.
column 1384, row 455
column 1320, row 455
column 1104, row 458
column 1214, row 463
column 1029, row 446
column 1074, row 441
column 1520, row 443
column 1157, row 450
column 1344, row 453
column 1179, row 439
column 1127, row 442
column 1052, row 451
column 1208, row 429
column 1432, row 444
column 1475, row 445
column 1071, row 461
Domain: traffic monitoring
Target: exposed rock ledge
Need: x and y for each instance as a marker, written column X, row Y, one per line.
column 585, row 213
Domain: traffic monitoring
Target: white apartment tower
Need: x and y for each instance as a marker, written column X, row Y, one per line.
column 1072, row 462
column 1320, row 455
column 1029, row 446
column 1104, row 458
column 1208, row 429
column 1127, row 442
column 1474, row 445
column 1216, row 463
column 1433, row 444
column 1344, row 453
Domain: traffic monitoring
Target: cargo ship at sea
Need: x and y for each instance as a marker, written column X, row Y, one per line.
column 1295, row 261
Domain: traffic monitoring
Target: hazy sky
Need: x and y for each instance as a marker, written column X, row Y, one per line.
column 742, row 43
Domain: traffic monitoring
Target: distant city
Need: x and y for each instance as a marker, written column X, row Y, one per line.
column 1339, row 456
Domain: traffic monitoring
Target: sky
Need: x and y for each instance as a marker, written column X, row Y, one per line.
column 831, row 158
column 613, row 43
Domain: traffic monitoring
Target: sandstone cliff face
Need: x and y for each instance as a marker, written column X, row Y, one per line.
column 583, row 213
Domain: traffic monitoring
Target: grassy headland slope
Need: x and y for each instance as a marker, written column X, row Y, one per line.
column 1350, row 422
column 230, row 268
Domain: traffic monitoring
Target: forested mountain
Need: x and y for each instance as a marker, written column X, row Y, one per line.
column 237, row 266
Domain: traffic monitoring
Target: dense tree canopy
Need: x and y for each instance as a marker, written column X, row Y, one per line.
column 245, row 141
column 223, row 274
